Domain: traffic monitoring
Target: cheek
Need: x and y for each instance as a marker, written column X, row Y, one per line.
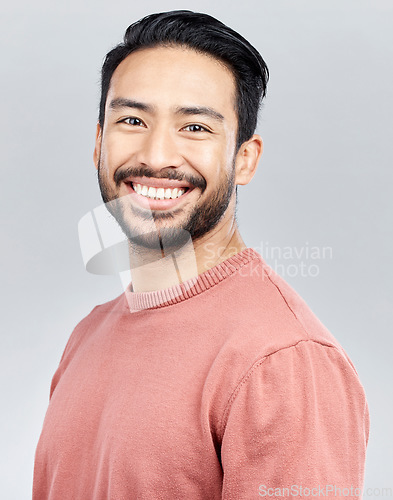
column 117, row 150
column 208, row 159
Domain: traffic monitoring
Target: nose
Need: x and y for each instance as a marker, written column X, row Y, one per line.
column 158, row 149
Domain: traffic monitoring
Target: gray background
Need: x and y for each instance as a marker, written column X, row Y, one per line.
column 324, row 180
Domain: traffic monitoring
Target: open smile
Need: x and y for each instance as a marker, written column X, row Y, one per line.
column 157, row 194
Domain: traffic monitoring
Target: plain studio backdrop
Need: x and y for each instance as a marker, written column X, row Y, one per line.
column 318, row 208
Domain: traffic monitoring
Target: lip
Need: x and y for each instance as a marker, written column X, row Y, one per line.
column 145, row 202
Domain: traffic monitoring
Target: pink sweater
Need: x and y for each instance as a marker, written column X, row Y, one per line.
column 226, row 391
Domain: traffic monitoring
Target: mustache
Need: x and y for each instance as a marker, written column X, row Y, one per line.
column 144, row 171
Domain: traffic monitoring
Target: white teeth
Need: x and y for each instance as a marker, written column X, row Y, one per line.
column 151, row 193
column 158, row 193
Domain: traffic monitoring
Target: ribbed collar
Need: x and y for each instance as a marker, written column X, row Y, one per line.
column 137, row 301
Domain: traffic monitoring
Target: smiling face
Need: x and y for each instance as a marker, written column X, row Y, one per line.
column 166, row 154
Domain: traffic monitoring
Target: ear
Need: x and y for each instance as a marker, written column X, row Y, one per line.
column 247, row 159
column 97, row 148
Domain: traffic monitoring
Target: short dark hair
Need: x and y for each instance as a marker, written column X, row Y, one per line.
column 204, row 34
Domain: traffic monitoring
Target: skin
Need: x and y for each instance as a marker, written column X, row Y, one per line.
column 161, row 142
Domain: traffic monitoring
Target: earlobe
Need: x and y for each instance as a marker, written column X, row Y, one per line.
column 247, row 160
column 97, row 148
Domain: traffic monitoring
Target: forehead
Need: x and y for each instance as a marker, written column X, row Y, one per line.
column 173, row 76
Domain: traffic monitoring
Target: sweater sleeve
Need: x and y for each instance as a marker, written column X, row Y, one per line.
column 296, row 425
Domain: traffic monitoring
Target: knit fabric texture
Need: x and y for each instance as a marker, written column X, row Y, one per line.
column 222, row 387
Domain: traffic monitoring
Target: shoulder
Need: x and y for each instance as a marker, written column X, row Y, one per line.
column 273, row 315
column 83, row 332
column 86, row 327
column 274, row 339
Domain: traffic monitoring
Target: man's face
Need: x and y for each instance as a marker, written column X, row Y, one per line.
column 170, row 122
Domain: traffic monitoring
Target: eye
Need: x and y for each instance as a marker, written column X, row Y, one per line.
column 132, row 120
column 195, row 128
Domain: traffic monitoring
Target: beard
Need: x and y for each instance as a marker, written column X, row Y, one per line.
column 166, row 235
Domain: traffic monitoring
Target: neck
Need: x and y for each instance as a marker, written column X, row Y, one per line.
column 152, row 270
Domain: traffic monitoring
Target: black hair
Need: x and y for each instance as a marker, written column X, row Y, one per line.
column 204, row 34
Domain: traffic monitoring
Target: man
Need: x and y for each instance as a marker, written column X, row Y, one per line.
column 209, row 377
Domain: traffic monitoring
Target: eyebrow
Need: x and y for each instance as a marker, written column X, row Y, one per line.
column 200, row 110
column 121, row 102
